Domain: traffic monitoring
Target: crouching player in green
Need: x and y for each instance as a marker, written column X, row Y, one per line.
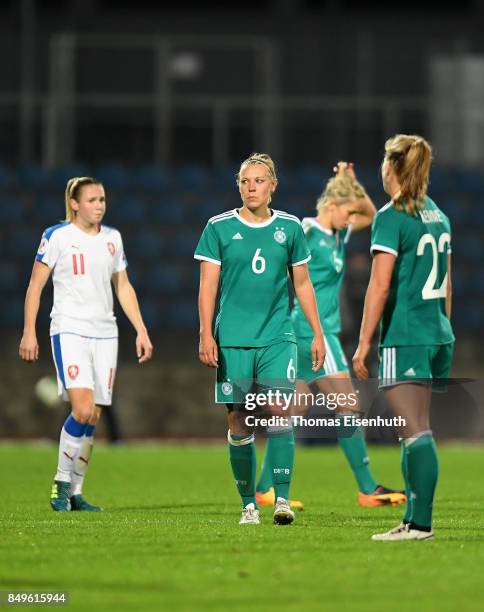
column 410, row 292
column 248, row 252
column 343, row 208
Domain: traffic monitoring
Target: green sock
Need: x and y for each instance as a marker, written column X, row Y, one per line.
column 423, row 471
column 243, row 462
column 280, row 450
column 265, row 478
column 407, row 517
column 352, row 441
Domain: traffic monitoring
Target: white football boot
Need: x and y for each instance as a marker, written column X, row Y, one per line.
column 250, row 515
column 403, row 532
column 283, row 515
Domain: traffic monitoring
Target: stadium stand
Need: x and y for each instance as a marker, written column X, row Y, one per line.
column 161, row 213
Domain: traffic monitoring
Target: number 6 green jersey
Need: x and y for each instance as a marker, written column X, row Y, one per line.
column 254, row 259
column 414, row 313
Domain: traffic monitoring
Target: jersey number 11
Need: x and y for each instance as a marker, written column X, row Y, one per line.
column 78, row 263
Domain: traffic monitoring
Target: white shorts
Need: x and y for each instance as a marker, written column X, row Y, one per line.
column 85, row 363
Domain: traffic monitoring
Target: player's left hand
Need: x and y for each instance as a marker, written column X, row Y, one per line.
column 318, row 352
column 144, row 348
column 359, row 359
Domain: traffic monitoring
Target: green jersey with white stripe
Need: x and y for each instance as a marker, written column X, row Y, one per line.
column 414, row 313
column 254, row 260
column 326, row 269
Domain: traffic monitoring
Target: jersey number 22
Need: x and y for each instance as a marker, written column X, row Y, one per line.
column 429, row 292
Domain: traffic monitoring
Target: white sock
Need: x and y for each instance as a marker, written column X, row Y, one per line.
column 69, row 447
column 81, row 464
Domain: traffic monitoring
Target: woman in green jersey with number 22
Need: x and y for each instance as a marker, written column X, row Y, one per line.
column 410, row 294
column 248, row 252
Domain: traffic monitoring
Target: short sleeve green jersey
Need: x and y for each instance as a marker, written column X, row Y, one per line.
column 414, row 314
column 254, row 260
column 326, row 270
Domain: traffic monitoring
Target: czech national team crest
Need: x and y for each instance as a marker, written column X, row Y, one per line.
column 112, row 248
column 279, row 235
column 73, row 371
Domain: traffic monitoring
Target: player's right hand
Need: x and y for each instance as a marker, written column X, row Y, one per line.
column 343, row 167
column 29, row 348
column 208, row 351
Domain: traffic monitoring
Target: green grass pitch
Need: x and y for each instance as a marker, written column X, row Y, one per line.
column 169, row 537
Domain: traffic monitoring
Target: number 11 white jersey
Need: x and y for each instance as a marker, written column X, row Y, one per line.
column 82, row 267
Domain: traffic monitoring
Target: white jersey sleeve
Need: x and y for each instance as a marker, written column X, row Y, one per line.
column 120, row 261
column 49, row 248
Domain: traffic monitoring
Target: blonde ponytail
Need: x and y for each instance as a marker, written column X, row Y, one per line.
column 410, row 156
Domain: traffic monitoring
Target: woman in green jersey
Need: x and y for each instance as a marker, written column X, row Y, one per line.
column 247, row 252
column 343, row 208
column 409, row 294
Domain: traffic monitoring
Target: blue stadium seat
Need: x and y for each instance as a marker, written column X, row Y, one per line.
column 11, row 210
column 370, row 178
column 167, row 211
column 182, row 314
column 477, row 212
column 471, row 247
column 6, row 177
column 204, row 208
column 12, row 313
column 165, row 280
column 60, row 175
column 192, row 177
column 189, row 276
column 185, row 242
column 151, row 177
column 470, row 181
column 442, row 181
column 8, row 276
column 223, row 178
column 32, row 176
column 467, row 316
column 152, row 313
column 22, row 243
column 311, row 179
column 145, row 244
column 451, row 207
column 48, row 210
column 460, row 281
column 113, row 176
column 127, row 210
column 478, row 284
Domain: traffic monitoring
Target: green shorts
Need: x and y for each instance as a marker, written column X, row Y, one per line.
column 406, row 364
column 241, row 369
column 334, row 362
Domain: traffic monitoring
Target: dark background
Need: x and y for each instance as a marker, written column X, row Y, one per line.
column 162, row 105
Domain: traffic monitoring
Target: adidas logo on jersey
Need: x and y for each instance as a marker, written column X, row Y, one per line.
column 237, row 236
column 409, row 372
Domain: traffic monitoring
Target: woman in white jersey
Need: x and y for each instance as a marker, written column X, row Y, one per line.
column 84, row 258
